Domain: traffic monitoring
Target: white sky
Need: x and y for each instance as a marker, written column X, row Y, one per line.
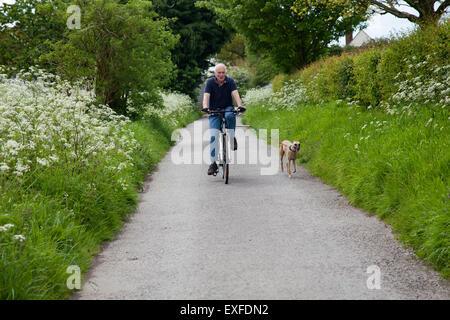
column 383, row 25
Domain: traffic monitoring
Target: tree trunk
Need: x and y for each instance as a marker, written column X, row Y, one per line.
column 427, row 14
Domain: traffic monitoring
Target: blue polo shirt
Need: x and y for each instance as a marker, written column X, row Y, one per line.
column 220, row 95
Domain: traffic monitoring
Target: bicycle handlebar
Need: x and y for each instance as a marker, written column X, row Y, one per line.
column 235, row 111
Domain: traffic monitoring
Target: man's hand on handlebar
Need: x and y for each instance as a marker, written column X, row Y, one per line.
column 241, row 109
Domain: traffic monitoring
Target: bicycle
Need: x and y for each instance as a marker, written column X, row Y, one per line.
column 224, row 160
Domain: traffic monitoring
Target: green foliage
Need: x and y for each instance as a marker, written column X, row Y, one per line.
column 271, row 28
column 27, row 28
column 125, row 47
column 367, row 91
column 242, row 77
column 200, row 38
column 278, row 81
column 334, row 79
column 433, row 41
column 263, row 70
column 374, row 74
column 233, row 52
column 395, row 166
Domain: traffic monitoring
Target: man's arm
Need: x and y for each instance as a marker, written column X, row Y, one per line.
column 236, row 97
column 206, row 97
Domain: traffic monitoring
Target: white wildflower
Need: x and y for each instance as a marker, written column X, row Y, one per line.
column 21, row 168
column 6, row 227
column 42, row 162
column 53, row 158
column 121, row 166
column 19, row 237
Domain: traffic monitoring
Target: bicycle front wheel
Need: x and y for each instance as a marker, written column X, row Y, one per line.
column 226, row 165
column 226, row 172
column 224, row 155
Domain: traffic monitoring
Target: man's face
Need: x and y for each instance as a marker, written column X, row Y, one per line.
column 220, row 74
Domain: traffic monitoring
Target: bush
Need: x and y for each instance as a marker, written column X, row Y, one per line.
column 392, row 69
column 258, row 96
column 381, row 73
column 366, row 88
column 242, row 78
column 333, row 79
column 262, row 69
column 278, row 81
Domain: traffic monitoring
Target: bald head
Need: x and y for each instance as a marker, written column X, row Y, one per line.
column 220, row 66
column 220, row 71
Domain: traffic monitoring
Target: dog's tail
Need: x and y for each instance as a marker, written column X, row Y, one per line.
column 279, row 142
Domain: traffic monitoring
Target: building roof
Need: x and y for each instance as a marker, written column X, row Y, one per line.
column 360, row 39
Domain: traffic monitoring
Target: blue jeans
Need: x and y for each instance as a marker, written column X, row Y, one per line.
column 215, row 125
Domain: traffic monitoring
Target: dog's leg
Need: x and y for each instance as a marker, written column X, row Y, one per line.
column 295, row 166
column 289, row 168
column 281, row 157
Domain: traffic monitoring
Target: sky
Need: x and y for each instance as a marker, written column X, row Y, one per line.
column 379, row 26
column 382, row 25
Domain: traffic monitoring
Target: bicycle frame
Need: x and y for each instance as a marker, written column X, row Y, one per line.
column 224, row 154
column 224, row 141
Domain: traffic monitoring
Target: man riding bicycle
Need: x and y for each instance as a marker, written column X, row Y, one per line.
column 218, row 96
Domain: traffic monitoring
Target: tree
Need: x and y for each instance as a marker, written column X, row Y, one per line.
column 26, row 29
column 124, row 47
column 429, row 11
column 272, row 28
column 233, row 51
column 200, row 39
column 426, row 9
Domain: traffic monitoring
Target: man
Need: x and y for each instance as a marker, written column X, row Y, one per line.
column 219, row 93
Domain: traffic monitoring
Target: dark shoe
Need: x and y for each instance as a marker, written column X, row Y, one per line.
column 235, row 144
column 213, row 169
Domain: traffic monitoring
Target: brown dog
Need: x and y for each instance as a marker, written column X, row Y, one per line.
column 290, row 149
